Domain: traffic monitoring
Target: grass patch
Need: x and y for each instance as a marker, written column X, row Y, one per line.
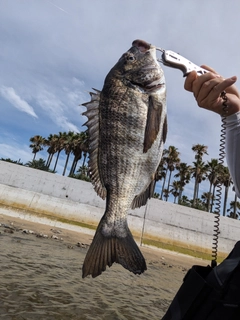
column 72, row 222
column 50, row 217
column 179, row 249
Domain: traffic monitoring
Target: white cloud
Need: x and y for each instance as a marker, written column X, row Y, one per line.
column 63, row 122
column 59, row 7
column 75, row 92
column 55, row 109
column 78, row 83
column 10, row 95
column 15, row 152
column 56, row 61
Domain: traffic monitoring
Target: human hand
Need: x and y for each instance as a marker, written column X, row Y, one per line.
column 207, row 90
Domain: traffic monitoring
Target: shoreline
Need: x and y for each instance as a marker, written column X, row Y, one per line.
column 73, row 235
column 42, row 279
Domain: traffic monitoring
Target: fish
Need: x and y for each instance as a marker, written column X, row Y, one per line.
column 127, row 126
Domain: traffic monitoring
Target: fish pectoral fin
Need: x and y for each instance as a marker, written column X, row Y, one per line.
column 142, row 198
column 165, row 129
column 104, row 251
column 153, row 122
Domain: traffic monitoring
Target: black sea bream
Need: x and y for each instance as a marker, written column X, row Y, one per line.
column 127, row 128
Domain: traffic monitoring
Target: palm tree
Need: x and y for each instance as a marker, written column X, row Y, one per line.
column 36, row 145
column 166, row 193
column 200, row 151
column 82, row 174
column 156, row 195
column 184, row 201
column 199, row 204
column 176, row 186
column 59, row 146
column 234, row 206
column 161, row 171
column 212, row 168
column 68, row 147
column 12, row 161
column 199, row 173
column 206, row 197
column 83, row 170
column 226, row 181
column 184, row 175
column 218, row 182
column 39, row 164
column 171, row 158
column 80, row 145
column 51, row 143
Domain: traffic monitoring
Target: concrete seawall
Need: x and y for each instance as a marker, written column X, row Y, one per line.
column 27, row 192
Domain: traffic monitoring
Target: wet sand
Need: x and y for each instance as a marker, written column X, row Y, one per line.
column 40, row 278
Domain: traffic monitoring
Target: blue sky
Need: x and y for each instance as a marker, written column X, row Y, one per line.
column 53, row 52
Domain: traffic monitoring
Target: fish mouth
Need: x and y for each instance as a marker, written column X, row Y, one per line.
column 145, row 47
column 142, row 45
column 152, row 86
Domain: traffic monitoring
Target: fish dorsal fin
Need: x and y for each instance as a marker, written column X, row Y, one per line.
column 92, row 114
column 153, row 122
column 143, row 197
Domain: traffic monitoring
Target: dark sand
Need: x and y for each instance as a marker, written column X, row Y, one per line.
column 40, row 278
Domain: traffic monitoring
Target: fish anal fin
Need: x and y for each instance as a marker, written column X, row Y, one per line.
column 153, row 123
column 104, row 251
column 142, row 198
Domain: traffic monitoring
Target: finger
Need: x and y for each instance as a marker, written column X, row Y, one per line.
column 232, row 88
column 202, row 83
column 206, row 90
column 204, row 66
column 223, row 86
column 191, row 77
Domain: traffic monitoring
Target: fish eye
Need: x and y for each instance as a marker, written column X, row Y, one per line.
column 131, row 58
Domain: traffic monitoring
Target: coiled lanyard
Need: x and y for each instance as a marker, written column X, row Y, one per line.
column 219, row 185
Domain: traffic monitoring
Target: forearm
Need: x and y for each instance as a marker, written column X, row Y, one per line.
column 233, row 148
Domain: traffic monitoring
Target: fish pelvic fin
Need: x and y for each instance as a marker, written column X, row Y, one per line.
column 142, row 198
column 104, row 251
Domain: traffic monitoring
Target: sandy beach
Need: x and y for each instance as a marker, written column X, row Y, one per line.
column 40, row 274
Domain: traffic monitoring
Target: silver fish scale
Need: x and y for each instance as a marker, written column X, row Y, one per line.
column 125, row 169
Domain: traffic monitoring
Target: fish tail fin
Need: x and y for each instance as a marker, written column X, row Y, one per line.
column 104, row 251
